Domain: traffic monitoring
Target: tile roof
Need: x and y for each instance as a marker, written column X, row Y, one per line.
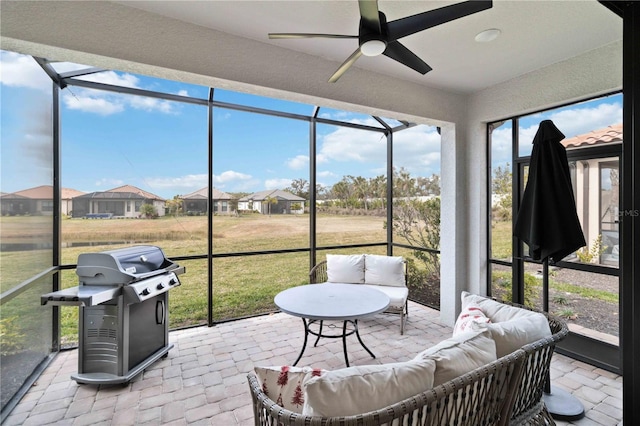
column 136, row 190
column 204, row 193
column 610, row 134
column 43, row 192
column 273, row 193
column 68, row 193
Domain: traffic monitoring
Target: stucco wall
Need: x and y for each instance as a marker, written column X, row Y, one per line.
column 597, row 72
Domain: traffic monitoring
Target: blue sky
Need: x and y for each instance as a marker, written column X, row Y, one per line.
column 573, row 120
column 112, row 139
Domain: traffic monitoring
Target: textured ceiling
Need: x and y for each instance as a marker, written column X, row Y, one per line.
column 534, row 34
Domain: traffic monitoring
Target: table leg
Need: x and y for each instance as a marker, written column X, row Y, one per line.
column 355, row 324
column 304, row 344
column 344, row 341
column 319, row 334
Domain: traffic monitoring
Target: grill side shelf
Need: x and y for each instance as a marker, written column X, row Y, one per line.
column 82, row 295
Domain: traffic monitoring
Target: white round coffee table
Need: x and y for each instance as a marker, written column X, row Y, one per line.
column 331, row 301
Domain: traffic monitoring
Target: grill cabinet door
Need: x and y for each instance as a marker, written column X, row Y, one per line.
column 148, row 328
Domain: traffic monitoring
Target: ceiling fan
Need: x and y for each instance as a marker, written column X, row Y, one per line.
column 377, row 36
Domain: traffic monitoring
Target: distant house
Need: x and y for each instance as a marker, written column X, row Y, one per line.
column 67, row 195
column 597, row 189
column 272, row 201
column 196, row 202
column 36, row 201
column 123, row 201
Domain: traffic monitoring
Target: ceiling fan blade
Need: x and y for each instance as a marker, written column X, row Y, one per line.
column 412, row 24
column 308, row 35
column 395, row 50
column 345, row 65
column 369, row 14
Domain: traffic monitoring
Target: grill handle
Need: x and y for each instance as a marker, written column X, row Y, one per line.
column 160, row 312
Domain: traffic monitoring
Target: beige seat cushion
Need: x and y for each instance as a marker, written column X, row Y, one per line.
column 360, row 389
column 397, row 295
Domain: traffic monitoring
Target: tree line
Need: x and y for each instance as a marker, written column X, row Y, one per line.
column 357, row 192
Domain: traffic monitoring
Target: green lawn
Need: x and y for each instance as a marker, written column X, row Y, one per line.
column 242, row 286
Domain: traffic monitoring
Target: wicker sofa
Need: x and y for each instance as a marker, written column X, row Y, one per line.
column 507, row 391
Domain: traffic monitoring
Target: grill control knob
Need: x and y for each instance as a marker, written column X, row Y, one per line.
column 146, row 292
column 160, row 286
column 173, row 281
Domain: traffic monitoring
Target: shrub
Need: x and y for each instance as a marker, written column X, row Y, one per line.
column 592, row 255
column 531, row 290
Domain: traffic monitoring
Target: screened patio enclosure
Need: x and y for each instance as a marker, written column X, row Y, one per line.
column 461, row 117
column 235, row 261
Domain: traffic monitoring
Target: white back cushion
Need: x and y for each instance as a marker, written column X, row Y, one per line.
column 460, row 354
column 360, row 389
column 345, row 268
column 511, row 327
column 384, row 270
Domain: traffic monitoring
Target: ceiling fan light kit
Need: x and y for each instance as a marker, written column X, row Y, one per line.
column 376, row 36
column 373, row 47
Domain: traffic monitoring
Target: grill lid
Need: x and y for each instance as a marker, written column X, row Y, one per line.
column 122, row 266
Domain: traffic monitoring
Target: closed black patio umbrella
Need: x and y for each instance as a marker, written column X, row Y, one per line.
column 548, row 222
column 547, row 219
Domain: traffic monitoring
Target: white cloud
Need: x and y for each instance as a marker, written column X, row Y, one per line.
column 227, row 181
column 364, row 153
column 93, row 104
column 232, row 181
column 298, row 162
column 151, row 104
column 281, row 183
column 221, row 115
column 572, row 121
column 348, row 144
column 180, row 184
column 22, row 71
column 417, row 149
column 109, row 182
column 326, row 173
column 230, row 176
column 108, row 103
column 113, row 78
column 501, row 146
column 577, row 121
column 182, row 93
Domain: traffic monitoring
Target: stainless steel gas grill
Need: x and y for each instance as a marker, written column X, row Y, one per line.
column 123, row 322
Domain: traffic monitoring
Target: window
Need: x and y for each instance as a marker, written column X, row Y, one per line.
column 584, row 286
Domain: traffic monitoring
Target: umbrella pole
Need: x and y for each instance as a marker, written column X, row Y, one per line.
column 561, row 404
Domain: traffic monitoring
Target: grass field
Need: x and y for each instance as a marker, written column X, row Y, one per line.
column 241, row 285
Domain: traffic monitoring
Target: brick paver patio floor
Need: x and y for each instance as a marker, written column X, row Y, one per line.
column 203, row 379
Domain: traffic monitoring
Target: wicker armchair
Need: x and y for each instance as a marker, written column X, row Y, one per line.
column 318, row 274
column 529, row 407
column 483, row 396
